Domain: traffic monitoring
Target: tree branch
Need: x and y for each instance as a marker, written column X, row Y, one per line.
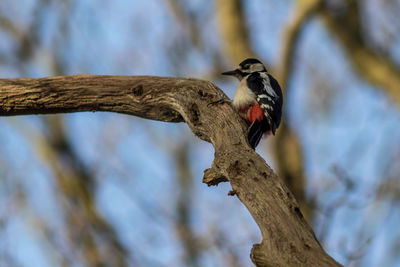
column 374, row 68
column 287, row 238
column 304, row 11
column 288, row 151
column 233, row 29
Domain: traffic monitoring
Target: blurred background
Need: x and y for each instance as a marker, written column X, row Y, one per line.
column 102, row 189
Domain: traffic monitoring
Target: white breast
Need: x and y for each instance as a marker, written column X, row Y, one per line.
column 243, row 95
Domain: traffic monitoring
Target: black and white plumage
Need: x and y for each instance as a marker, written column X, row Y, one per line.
column 258, row 99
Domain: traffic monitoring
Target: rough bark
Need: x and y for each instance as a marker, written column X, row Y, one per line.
column 287, row 238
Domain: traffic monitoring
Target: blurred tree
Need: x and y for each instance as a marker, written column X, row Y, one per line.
column 346, row 22
column 337, row 151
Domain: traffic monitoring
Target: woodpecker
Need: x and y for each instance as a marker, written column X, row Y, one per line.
column 258, row 99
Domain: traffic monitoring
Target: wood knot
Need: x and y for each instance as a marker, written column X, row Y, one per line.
column 298, row 212
column 250, row 163
column 194, row 111
column 258, row 257
column 235, row 168
column 232, row 193
column 203, row 95
column 138, row 90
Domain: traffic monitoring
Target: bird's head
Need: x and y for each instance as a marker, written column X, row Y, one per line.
column 247, row 67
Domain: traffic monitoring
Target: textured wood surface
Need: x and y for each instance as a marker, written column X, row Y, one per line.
column 287, row 240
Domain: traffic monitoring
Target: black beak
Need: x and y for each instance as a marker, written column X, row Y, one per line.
column 232, row 72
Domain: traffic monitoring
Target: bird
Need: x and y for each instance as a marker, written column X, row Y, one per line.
column 258, row 99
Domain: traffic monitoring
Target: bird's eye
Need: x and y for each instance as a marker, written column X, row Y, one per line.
column 246, row 67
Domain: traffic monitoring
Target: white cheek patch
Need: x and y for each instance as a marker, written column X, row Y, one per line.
column 256, row 67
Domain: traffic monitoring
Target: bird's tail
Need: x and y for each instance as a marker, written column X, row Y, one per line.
column 256, row 132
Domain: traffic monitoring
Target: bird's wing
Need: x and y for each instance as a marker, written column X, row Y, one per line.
column 266, row 97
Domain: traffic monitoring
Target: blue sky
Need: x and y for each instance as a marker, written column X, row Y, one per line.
column 350, row 125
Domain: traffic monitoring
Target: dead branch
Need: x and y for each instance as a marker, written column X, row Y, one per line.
column 287, row 239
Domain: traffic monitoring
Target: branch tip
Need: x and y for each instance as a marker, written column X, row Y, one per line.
column 232, row 193
column 257, row 256
column 212, row 177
